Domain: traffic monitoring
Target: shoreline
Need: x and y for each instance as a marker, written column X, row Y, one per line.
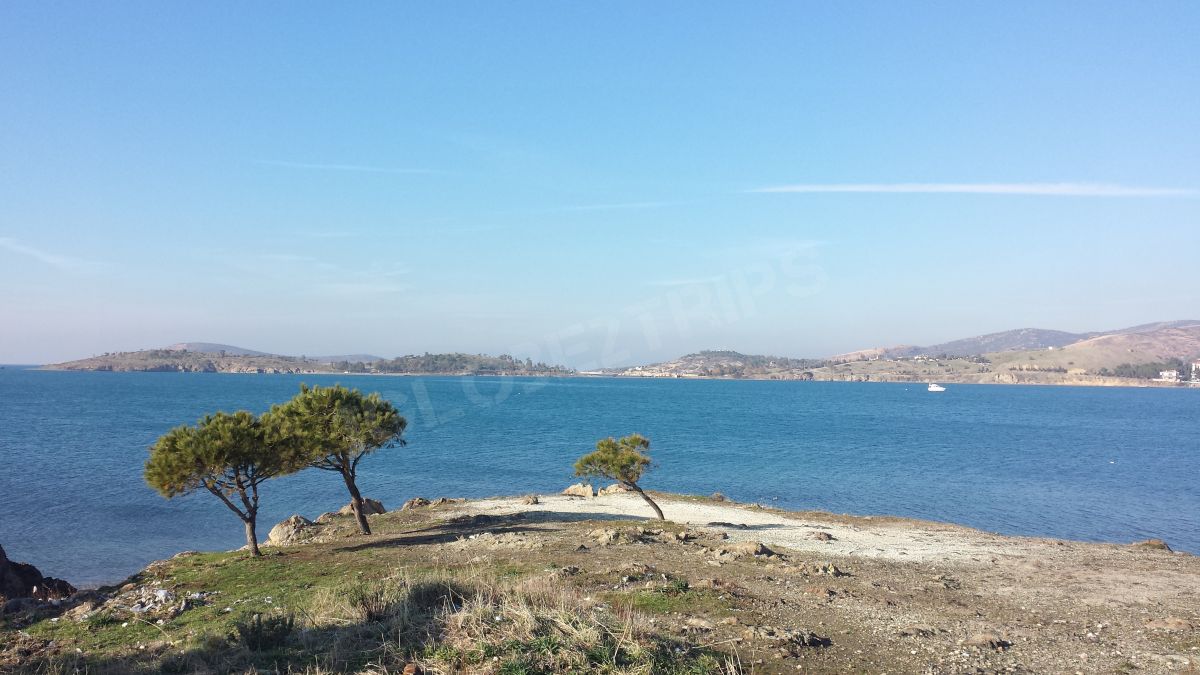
column 882, row 536
column 776, row 591
column 1150, row 384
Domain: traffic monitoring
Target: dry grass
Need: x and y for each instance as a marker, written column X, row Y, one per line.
column 487, row 624
column 472, row 621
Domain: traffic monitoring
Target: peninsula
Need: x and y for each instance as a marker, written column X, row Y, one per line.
column 556, row 583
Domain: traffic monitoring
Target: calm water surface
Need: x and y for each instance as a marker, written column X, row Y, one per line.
column 1095, row 464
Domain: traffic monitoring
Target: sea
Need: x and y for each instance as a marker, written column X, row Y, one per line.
column 1085, row 463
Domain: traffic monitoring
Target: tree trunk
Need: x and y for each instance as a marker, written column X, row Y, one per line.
column 251, row 537
column 356, row 503
column 649, row 501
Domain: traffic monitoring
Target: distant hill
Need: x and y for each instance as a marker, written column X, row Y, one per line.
column 204, row 357
column 188, row 361
column 213, row 348
column 728, row 364
column 230, row 350
column 1178, row 340
column 1134, row 355
column 1020, row 339
column 348, row 358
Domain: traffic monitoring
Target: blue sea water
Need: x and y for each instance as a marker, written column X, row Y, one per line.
column 1096, row 464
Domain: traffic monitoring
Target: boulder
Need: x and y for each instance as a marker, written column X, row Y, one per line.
column 414, row 503
column 987, row 640
column 753, row 548
column 288, row 532
column 21, row 580
column 1171, row 623
column 371, row 507
column 530, row 500
column 1156, row 544
column 788, row 641
column 580, row 490
column 614, row 489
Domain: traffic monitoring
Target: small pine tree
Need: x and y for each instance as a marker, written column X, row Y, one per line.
column 228, row 455
column 623, row 460
column 335, row 428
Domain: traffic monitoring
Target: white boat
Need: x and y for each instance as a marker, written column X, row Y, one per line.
column 936, row 387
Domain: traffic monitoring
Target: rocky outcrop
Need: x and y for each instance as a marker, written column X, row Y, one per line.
column 371, row 507
column 1154, row 544
column 22, row 580
column 289, row 531
column 614, row 489
column 415, row 503
column 579, row 490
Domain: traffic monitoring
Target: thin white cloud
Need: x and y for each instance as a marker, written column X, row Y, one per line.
column 1030, row 189
column 362, row 287
column 362, row 168
column 613, row 207
column 330, row 234
column 287, row 257
column 62, row 262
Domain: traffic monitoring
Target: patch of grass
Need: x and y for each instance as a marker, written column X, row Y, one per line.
column 671, row 600
column 353, row 604
column 260, row 634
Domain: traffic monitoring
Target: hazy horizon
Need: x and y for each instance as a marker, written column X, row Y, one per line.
column 592, row 185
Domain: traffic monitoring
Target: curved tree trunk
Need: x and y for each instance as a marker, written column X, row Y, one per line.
column 251, row 537
column 657, row 511
column 356, row 503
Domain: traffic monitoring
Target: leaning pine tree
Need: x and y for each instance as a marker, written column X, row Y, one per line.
column 336, row 428
column 623, row 460
column 228, row 455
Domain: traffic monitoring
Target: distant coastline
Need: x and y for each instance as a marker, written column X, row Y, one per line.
column 1163, row 354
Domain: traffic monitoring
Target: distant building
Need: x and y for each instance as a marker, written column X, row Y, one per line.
column 1195, row 371
column 1169, row 375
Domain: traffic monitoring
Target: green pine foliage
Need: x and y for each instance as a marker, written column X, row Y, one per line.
column 334, row 429
column 623, row 460
column 229, row 455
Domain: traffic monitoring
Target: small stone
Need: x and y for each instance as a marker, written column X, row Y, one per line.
column 987, row 641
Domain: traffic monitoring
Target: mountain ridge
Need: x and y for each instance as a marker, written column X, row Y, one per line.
column 1019, row 339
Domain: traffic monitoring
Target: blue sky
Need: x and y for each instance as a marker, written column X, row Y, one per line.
column 592, row 183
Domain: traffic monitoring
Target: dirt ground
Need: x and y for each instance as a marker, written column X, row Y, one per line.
column 766, row 590
column 869, row 594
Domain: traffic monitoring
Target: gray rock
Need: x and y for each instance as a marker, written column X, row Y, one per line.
column 287, row 532
column 22, row 580
column 371, row 507
column 579, row 490
column 414, row 503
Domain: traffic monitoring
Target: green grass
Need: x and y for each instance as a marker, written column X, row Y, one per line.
column 670, row 601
